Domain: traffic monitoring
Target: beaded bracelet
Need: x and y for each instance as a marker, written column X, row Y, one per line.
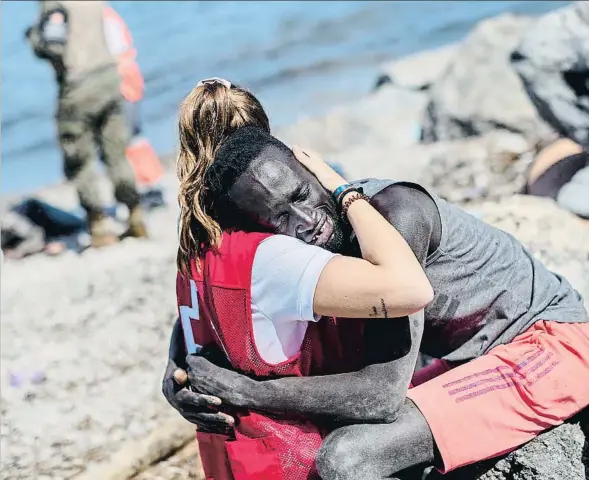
column 351, row 200
column 341, row 191
column 340, row 197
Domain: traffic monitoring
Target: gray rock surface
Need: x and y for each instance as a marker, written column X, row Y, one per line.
column 489, row 167
column 553, row 62
column 184, row 465
column 558, row 454
column 390, row 116
column 96, row 326
column 479, row 91
column 419, row 71
column 466, row 170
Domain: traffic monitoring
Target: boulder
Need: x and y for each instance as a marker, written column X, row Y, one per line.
column 488, row 167
column 418, row 71
column 390, row 116
column 479, row 91
column 462, row 171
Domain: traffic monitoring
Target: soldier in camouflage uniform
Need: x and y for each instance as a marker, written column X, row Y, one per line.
column 90, row 117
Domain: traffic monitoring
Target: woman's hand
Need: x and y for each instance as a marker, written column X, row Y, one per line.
column 313, row 162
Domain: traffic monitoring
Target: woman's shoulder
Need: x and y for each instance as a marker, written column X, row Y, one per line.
column 285, row 273
column 279, row 244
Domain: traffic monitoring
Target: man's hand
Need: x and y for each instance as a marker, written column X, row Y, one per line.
column 201, row 410
column 232, row 388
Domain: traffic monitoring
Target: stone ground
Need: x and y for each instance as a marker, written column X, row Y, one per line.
column 85, row 337
column 183, row 465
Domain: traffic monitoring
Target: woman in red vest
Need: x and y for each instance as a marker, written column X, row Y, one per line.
column 269, row 302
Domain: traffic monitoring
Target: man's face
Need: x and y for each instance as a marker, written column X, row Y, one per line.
column 279, row 194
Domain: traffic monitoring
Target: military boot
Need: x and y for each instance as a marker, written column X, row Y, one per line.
column 137, row 228
column 100, row 232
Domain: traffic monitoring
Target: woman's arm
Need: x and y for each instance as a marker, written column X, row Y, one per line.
column 388, row 282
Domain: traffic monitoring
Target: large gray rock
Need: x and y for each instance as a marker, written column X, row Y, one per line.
column 391, row 115
column 488, row 167
column 417, row 71
column 479, row 91
column 462, row 171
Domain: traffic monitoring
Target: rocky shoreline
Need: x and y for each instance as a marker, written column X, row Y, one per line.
column 84, row 338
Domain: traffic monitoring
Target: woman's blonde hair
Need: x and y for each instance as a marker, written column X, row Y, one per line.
column 208, row 115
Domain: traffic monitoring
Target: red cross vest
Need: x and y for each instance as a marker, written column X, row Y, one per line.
column 215, row 308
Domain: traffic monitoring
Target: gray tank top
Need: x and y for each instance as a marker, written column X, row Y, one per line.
column 488, row 287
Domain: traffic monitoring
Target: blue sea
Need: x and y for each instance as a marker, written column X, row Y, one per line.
column 299, row 58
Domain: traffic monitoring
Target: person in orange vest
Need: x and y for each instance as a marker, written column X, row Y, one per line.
column 140, row 153
column 90, row 115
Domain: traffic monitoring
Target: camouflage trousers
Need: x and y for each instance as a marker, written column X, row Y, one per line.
column 90, row 121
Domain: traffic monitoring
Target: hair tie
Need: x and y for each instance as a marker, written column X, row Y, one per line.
column 214, row 80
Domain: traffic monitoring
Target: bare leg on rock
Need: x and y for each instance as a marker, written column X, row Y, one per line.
column 375, row 452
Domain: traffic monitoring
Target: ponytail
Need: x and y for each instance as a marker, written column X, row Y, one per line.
column 208, row 115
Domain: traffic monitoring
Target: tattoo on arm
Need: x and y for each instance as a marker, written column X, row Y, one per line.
column 376, row 313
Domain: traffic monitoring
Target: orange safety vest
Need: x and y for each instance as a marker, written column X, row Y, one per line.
column 120, row 42
column 140, row 154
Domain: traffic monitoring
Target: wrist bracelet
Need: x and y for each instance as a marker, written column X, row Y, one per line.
column 352, row 199
column 339, row 190
column 341, row 196
column 343, row 190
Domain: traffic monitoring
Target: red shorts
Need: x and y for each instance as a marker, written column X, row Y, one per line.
column 501, row 400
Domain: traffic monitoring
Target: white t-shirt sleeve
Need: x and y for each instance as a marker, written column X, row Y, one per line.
column 284, row 277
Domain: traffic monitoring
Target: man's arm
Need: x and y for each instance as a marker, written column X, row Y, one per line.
column 48, row 36
column 372, row 394
column 558, row 44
